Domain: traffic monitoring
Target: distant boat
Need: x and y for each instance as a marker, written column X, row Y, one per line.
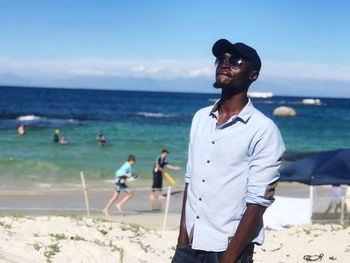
column 311, row 101
column 260, row 94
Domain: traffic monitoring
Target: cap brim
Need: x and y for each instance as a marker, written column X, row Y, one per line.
column 223, row 46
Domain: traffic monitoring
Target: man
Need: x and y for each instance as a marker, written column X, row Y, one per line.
column 157, row 184
column 232, row 171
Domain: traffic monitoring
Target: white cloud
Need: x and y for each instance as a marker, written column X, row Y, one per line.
column 302, row 70
column 160, row 69
column 103, row 67
column 201, row 72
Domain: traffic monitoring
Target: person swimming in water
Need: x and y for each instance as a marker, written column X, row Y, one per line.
column 21, row 129
column 63, row 140
column 102, row 139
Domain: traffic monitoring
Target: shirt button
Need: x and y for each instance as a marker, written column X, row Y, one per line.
column 212, row 142
column 200, row 199
column 197, row 217
column 203, row 180
column 208, row 161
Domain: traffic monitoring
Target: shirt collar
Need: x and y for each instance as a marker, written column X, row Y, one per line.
column 244, row 114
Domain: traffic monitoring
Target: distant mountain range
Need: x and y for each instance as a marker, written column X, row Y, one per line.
column 285, row 87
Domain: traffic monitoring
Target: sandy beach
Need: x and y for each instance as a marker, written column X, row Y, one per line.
column 51, row 226
column 81, row 239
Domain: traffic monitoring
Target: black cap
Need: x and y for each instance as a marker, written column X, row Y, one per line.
column 248, row 53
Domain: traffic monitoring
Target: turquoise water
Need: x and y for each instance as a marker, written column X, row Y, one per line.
column 33, row 160
column 138, row 123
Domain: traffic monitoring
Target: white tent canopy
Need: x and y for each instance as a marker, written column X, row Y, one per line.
column 288, row 211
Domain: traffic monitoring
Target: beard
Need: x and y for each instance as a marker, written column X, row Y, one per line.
column 229, row 88
column 224, row 84
column 217, row 85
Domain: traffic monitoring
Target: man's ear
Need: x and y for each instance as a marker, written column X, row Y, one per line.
column 254, row 75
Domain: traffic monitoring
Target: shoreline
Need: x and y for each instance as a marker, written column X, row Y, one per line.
column 72, row 201
column 283, row 188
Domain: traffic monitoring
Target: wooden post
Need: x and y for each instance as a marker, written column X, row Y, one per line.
column 311, row 201
column 85, row 193
column 342, row 207
column 166, row 207
column 121, row 255
column 347, row 203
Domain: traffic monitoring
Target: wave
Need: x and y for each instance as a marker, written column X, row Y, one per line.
column 30, row 118
column 154, row 114
column 292, row 102
column 34, row 118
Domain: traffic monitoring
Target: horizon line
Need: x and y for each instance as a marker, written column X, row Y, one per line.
column 150, row 91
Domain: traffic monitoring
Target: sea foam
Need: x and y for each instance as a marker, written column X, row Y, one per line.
column 29, row 118
column 154, row 115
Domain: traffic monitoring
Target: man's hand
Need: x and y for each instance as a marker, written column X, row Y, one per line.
column 226, row 258
column 183, row 239
column 251, row 218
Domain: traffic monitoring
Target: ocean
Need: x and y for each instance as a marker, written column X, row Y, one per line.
column 138, row 123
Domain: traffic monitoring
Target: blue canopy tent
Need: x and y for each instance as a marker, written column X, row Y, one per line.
column 322, row 168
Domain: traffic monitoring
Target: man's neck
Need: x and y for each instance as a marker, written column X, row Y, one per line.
column 230, row 105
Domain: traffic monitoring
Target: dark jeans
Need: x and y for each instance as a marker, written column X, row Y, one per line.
column 189, row 255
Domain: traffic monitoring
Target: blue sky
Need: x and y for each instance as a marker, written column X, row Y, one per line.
column 301, row 42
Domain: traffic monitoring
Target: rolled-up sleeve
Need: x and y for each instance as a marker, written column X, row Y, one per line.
column 265, row 161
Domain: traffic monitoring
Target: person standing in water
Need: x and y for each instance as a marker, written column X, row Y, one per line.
column 56, row 136
column 102, row 139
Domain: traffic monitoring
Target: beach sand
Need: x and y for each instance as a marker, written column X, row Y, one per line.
column 50, row 226
column 76, row 239
column 81, row 239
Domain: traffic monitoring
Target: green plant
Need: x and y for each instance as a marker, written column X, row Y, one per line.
column 50, row 251
column 58, row 236
column 77, row 238
column 37, row 246
column 138, row 230
column 17, row 216
column 4, row 225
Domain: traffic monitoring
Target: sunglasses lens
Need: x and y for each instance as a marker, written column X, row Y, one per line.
column 235, row 62
column 232, row 62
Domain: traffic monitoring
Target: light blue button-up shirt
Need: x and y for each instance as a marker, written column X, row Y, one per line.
column 229, row 166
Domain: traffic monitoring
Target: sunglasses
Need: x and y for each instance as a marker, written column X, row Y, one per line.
column 233, row 62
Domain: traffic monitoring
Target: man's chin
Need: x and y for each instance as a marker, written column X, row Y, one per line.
column 217, row 85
